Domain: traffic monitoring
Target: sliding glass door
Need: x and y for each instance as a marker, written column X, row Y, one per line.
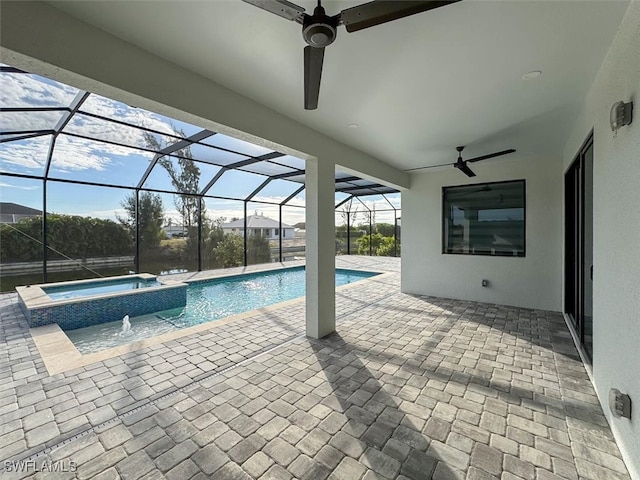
column 578, row 299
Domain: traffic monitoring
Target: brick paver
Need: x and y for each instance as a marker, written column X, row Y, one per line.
column 408, row 387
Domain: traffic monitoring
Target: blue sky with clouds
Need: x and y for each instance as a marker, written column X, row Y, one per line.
column 98, row 161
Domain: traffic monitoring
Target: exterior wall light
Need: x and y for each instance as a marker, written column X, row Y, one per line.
column 619, row 403
column 621, row 115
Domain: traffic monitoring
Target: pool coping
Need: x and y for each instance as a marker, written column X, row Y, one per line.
column 59, row 354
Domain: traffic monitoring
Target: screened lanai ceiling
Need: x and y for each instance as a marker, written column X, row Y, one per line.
column 53, row 131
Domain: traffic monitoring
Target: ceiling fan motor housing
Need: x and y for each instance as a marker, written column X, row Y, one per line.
column 319, row 30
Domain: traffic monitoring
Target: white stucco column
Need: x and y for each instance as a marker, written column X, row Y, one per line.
column 321, row 249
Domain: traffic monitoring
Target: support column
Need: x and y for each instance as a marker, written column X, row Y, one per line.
column 349, row 232
column 321, row 246
column 45, row 237
column 280, row 233
column 244, row 237
column 199, row 234
column 137, row 235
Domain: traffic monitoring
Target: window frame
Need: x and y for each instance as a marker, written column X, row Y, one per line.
column 444, row 248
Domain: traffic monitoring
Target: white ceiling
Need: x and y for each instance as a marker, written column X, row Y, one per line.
column 416, row 87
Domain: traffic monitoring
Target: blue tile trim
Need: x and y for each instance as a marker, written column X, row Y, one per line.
column 95, row 311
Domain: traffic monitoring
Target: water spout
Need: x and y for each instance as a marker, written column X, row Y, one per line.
column 126, row 326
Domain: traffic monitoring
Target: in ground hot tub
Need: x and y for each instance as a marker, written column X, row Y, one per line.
column 83, row 303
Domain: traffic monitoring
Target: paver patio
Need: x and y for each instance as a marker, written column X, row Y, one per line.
column 409, row 387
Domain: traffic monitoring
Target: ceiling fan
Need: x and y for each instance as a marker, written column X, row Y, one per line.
column 319, row 30
column 462, row 164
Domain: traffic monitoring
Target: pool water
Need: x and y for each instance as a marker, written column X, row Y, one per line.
column 206, row 301
column 65, row 292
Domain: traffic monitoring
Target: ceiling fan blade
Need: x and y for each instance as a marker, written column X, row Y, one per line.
column 491, row 155
column 282, row 8
column 313, row 58
column 462, row 166
column 382, row 11
column 428, row 166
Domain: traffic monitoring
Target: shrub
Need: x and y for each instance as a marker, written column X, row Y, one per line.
column 380, row 246
column 229, row 252
column 74, row 236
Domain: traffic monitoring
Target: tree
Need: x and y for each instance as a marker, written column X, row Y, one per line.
column 150, row 218
column 212, row 236
column 229, row 252
column 380, row 246
column 185, row 178
column 385, row 229
column 363, row 244
column 258, row 250
column 387, row 248
column 348, row 213
column 214, row 233
column 369, row 217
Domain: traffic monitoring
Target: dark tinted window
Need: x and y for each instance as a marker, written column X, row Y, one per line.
column 484, row 219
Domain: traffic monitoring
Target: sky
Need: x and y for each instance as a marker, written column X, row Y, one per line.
column 97, row 160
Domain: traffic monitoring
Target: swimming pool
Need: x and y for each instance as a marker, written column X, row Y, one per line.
column 206, row 301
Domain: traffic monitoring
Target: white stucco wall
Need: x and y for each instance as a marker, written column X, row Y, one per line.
column 533, row 281
column 616, row 217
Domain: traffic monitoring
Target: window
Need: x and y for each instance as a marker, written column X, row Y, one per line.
column 484, row 219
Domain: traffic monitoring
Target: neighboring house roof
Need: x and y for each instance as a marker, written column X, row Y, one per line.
column 12, row 212
column 255, row 221
column 7, row 208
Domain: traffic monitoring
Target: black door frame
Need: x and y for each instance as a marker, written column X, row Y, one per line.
column 577, row 272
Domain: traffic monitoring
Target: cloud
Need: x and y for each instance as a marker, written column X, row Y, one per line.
column 69, row 154
column 378, row 203
column 79, row 154
column 277, row 199
column 20, row 90
column 26, row 90
column 30, row 154
column 112, row 132
column 27, row 121
column 106, row 214
column 92, row 127
column 136, row 116
column 20, row 187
